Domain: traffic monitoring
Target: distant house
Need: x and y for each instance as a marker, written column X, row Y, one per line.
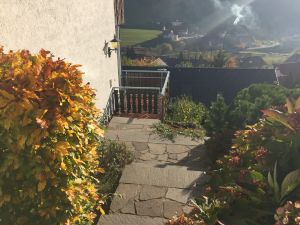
column 175, row 30
column 170, row 35
column 253, row 62
column 288, row 74
column 159, row 62
column 177, row 23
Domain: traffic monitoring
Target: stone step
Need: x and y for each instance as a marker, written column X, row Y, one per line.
column 166, row 176
column 129, row 121
column 153, row 201
column 123, row 219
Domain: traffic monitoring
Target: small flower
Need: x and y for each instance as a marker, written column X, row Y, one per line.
column 297, row 204
column 261, row 154
column 285, row 220
column 278, row 223
column 280, row 211
column 289, row 206
column 297, row 220
column 219, row 162
column 235, row 160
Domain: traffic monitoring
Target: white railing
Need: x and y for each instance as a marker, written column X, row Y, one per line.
column 136, row 100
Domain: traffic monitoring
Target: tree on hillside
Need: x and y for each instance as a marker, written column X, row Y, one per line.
column 130, row 53
column 219, row 59
column 184, row 64
column 232, row 62
column 181, row 56
column 166, row 48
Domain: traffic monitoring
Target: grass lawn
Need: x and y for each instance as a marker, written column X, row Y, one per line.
column 131, row 37
column 275, row 59
column 270, row 59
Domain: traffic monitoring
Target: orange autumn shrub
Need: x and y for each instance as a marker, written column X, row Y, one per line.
column 48, row 142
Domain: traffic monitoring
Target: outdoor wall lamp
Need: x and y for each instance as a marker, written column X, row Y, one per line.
column 114, row 44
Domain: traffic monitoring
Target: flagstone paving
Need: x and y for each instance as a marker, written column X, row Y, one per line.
column 161, row 181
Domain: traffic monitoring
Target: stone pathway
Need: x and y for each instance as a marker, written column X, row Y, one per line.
column 164, row 177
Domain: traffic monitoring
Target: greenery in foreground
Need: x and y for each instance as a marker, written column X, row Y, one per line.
column 223, row 119
column 114, row 157
column 256, row 181
column 183, row 117
column 49, row 136
column 51, row 144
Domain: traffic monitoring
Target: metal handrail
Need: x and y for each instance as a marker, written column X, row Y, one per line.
column 163, row 92
column 132, row 76
column 145, row 71
column 137, row 88
column 108, row 110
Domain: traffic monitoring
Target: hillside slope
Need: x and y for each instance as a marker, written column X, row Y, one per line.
column 273, row 16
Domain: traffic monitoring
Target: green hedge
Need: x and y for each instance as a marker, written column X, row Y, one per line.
column 223, row 120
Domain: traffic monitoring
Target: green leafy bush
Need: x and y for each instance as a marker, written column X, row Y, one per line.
column 164, row 130
column 219, row 60
column 184, row 64
column 114, row 157
column 218, row 127
column 49, row 138
column 223, row 120
column 217, row 119
column 249, row 102
column 165, row 48
column 183, row 117
column 185, row 112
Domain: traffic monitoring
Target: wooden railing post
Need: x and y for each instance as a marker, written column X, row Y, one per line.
column 139, row 102
column 134, row 106
column 128, row 101
column 155, row 103
column 150, row 103
column 122, row 101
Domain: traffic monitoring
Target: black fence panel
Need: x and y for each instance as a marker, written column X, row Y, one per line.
column 203, row 84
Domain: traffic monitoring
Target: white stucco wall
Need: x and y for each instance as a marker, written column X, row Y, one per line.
column 72, row 29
